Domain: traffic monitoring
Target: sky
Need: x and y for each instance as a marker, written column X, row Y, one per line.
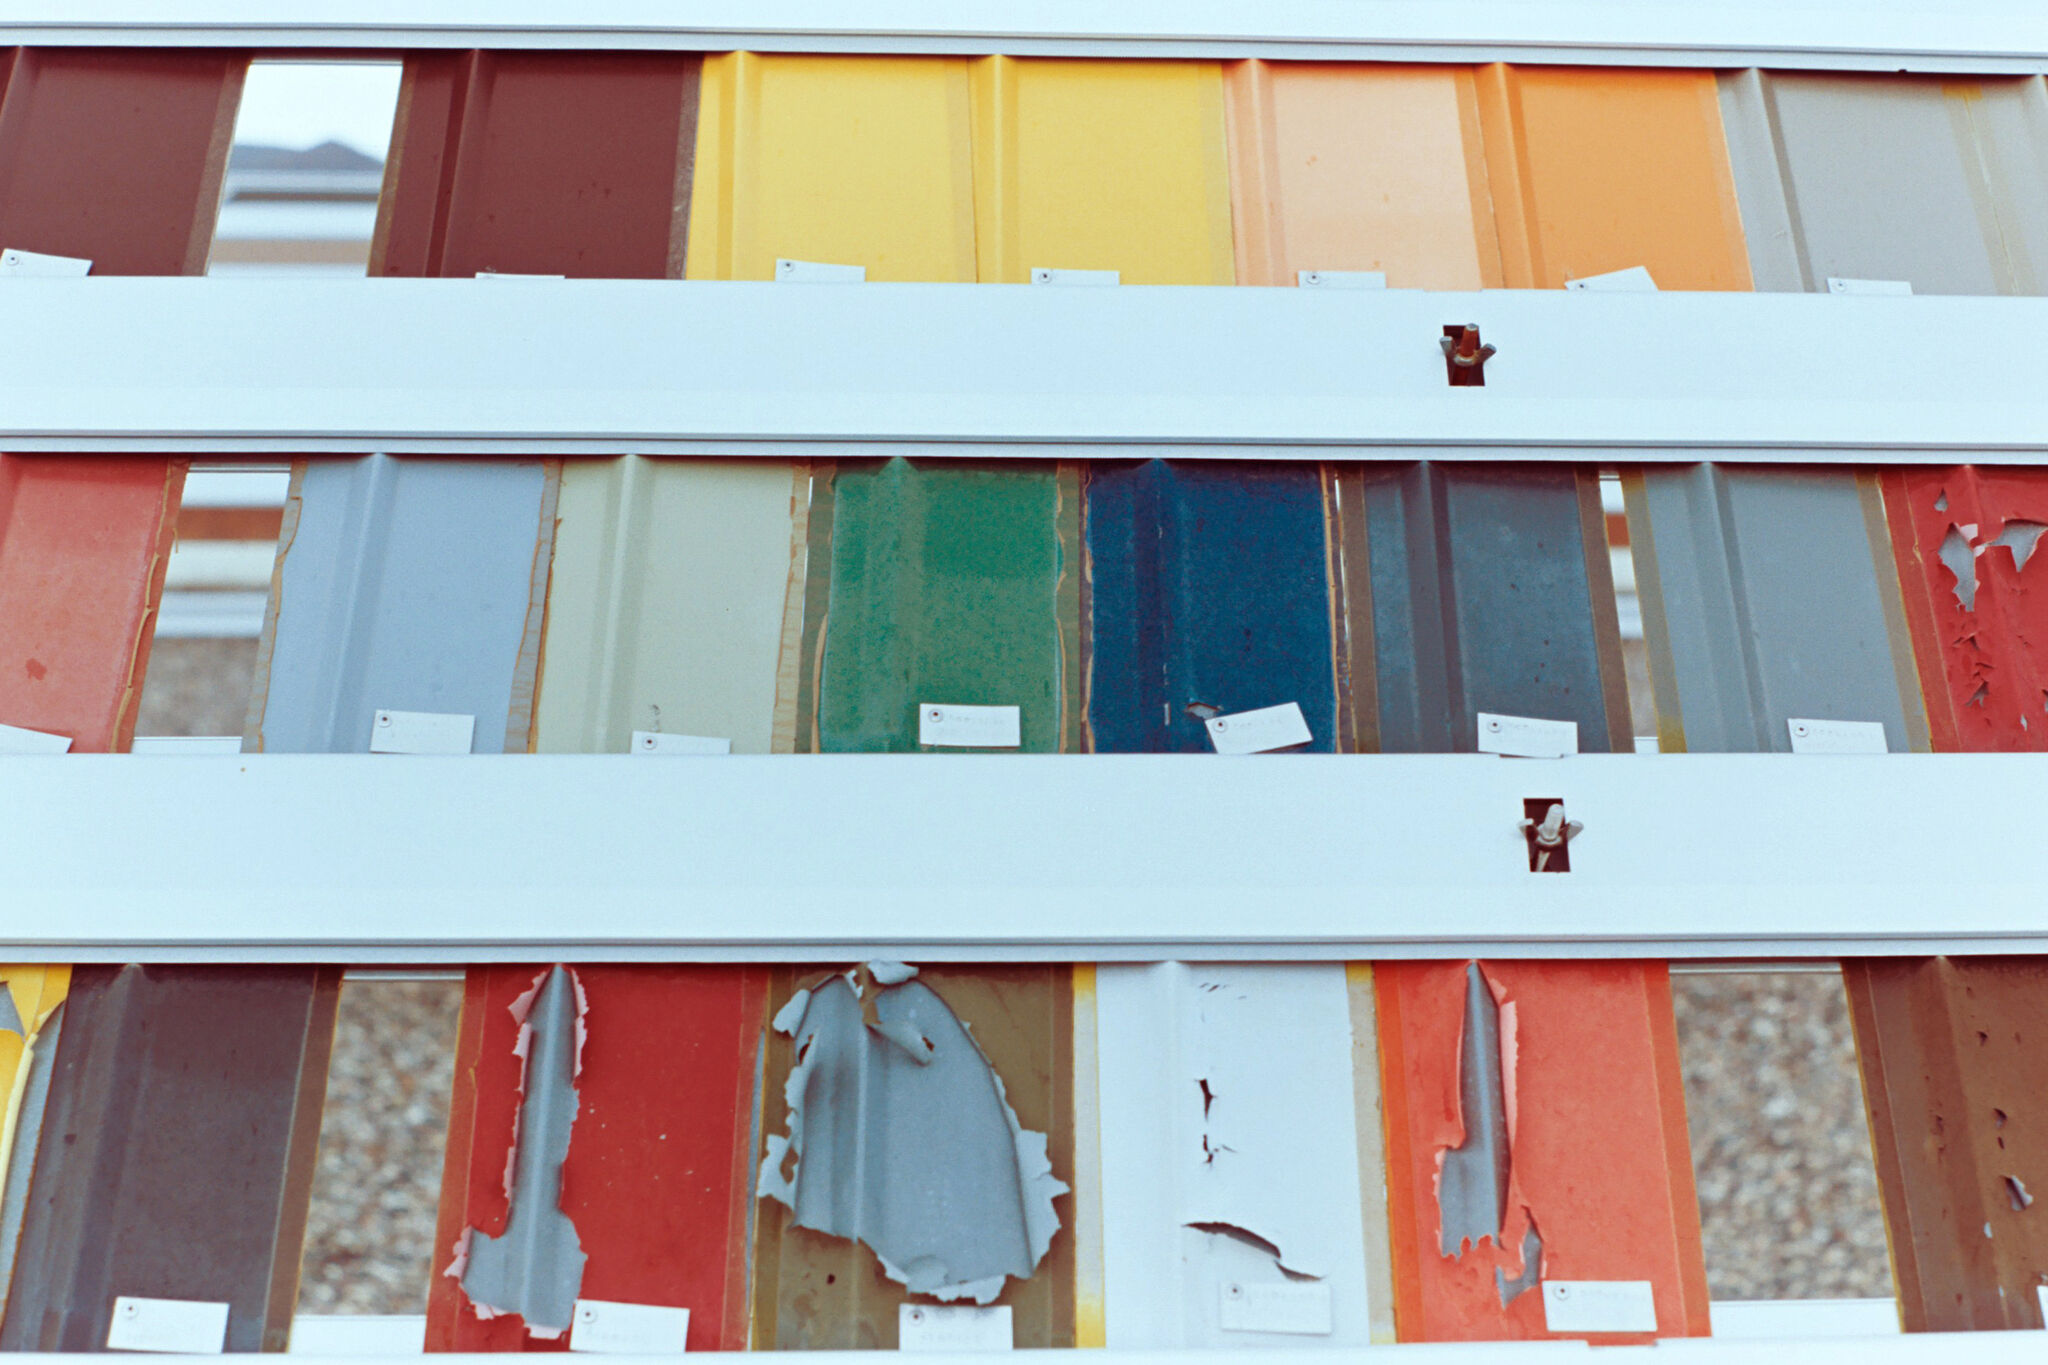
column 302, row 104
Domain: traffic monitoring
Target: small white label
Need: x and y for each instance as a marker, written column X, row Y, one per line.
column 953, row 1327
column 1341, row 279
column 1599, row 1306
column 1893, row 287
column 421, row 732
column 508, row 275
column 180, row 1326
column 1046, row 275
column 1837, row 736
column 628, row 1329
column 819, row 272
column 1260, row 731
column 649, row 742
column 187, row 744
column 969, row 727
column 1634, row 280
column 1296, row 1309
column 2041, row 1297
column 15, row 740
column 14, row 261
column 1525, row 737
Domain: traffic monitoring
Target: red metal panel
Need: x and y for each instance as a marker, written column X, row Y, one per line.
column 579, row 164
column 1599, row 1157
column 116, row 157
column 662, row 1145
column 1965, row 539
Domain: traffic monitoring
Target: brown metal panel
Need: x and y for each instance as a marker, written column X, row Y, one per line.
column 177, row 1151
column 1953, row 1071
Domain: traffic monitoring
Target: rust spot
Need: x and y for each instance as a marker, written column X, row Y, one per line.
column 36, row 670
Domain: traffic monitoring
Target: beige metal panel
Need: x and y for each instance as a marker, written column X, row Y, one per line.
column 665, row 608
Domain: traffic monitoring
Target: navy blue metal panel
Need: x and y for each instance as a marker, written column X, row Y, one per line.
column 1209, row 585
column 1490, row 592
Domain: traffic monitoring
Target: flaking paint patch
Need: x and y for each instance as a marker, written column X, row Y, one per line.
column 535, row 1267
column 901, row 1136
column 1483, row 1217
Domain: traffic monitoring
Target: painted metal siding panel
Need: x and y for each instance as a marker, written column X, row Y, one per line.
column 1952, row 1071
column 179, row 1134
column 402, row 584
column 1767, row 595
column 1943, row 184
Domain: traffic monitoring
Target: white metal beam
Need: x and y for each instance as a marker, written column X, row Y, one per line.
column 1002, row 857
column 1886, row 35
column 609, row 366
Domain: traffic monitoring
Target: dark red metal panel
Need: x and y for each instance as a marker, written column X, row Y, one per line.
column 579, row 165
column 545, row 163
column 177, row 1151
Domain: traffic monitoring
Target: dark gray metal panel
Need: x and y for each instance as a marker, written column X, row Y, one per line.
column 181, row 1119
column 1767, row 596
column 409, row 585
column 1485, row 597
column 1943, row 184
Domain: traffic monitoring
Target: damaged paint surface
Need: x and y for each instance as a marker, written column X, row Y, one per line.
column 956, row 1196
column 1206, row 1149
column 1536, row 1130
column 1968, row 544
column 31, row 1022
column 535, row 1267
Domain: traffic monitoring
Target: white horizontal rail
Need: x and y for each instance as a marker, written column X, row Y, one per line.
column 1003, row 857
column 594, row 367
column 1958, row 35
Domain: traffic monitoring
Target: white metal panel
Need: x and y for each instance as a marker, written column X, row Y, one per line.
column 1966, row 35
column 1206, row 1143
column 1009, row 858
column 603, row 366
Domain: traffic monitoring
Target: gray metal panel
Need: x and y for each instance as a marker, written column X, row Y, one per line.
column 404, row 584
column 1764, row 597
column 1484, row 598
column 1892, row 178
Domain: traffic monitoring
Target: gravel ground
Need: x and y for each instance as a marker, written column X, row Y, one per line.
column 1788, row 1197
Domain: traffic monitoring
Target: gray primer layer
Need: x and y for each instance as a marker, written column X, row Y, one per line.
column 900, row 1136
column 1875, row 177
column 1763, row 600
column 403, row 584
column 535, row 1268
column 1481, row 602
column 1472, row 1192
column 28, row 1132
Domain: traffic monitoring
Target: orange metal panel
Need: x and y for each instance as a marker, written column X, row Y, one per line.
column 1599, row 170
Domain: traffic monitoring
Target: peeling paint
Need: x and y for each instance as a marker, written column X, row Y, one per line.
column 535, row 1267
column 900, row 1136
column 1478, row 1198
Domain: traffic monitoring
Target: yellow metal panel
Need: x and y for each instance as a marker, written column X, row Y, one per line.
column 666, row 601
column 851, row 160
column 1349, row 167
column 1101, row 165
column 36, row 992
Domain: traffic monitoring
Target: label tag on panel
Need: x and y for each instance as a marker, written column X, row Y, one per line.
column 969, row 727
column 1341, row 279
column 1297, row 1309
column 1634, row 280
column 1260, row 731
column 953, row 1327
column 1046, row 275
column 14, row 261
column 509, row 275
column 818, row 272
column 1599, row 1306
column 1527, row 737
column 15, row 740
column 649, row 742
column 628, row 1329
column 179, row 1326
column 1893, row 287
column 421, row 732
column 1837, row 736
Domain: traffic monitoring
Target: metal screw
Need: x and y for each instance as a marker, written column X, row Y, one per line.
column 128, row 1310
column 384, row 718
column 1236, row 1291
column 1220, row 724
column 1493, row 726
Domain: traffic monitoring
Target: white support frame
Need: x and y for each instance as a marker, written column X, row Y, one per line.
column 1982, row 36
column 590, row 367
column 362, row 859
